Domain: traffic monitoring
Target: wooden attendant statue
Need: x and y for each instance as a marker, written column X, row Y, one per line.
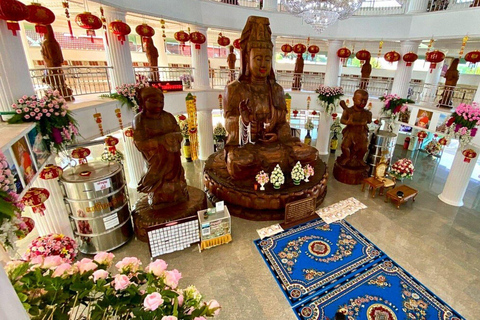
column 366, row 71
column 231, row 59
column 152, row 57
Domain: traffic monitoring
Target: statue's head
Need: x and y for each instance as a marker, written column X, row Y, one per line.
column 151, row 100
column 360, row 98
column 256, row 49
column 231, row 49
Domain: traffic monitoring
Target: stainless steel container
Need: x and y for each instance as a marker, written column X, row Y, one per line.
column 97, row 199
column 382, row 143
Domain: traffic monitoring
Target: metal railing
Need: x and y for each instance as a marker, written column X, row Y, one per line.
column 71, row 81
column 372, row 8
column 441, row 95
column 441, row 5
column 242, row 3
column 165, row 73
column 219, row 78
column 300, row 81
column 375, row 87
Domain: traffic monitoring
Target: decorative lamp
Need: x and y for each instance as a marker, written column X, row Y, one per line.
column 434, row 57
column 313, row 50
column 145, row 31
column 129, row 132
column 51, row 171
column 111, row 142
column 443, row 141
column 363, row 55
column 35, row 197
column 197, row 38
column 421, row 135
column 81, row 154
column 344, row 53
column 473, row 57
column 90, row 22
column 40, row 16
column 286, row 49
column 299, row 49
column 392, row 56
column 13, row 11
column 410, row 58
column 222, row 40
column 236, row 44
column 182, row 37
column 120, row 29
column 469, row 154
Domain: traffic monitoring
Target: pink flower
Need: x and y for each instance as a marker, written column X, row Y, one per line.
column 104, row 258
column 157, row 267
column 128, row 264
column 99, row 274
column 199, row 318
column 37, row 260
column 172, row 278
column 21, row 101
column 213, row 306
column 86, row 265
column 48, row 114
column 121, row 282
column 52, row 262
column 169, row 318
column 27, row 116
column 62, row 269
column 153, row 301
column 18, row 111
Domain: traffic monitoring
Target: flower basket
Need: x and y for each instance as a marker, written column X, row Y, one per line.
column 329, row 97
column 402, row 169
column 187, row 80
column 127, row 94
column 462, row 123
column 309, row 124
column 336, row 127
column 52, row 245
column 393, row 104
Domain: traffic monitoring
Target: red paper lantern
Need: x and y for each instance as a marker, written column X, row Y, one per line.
column 286, row 49
column 81, row 154
column 443, row 141
column 51, row 172
column 129, row 132
column 223, row 41
column 120, row 29
column 434, row 57
column 41, row 16
column 236, row 44
column 299, row 49
column 181, row 36
column 409, row 58
column 313, row 50
column 469, row 154
column 314, row 113
column 344, row 53
column 13, row 11
column 197, row 38
column 111, row 142
column 35, row 197
column 295, row 112
column 363, row 55
column 90, row 22
column 422, row 135
column 145, row 31
column 392, row 56
column 473, row 57
column 334, row 115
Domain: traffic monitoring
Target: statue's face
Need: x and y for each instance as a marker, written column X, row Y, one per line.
column 153, row 101
column 360, row 99
column 260, row 62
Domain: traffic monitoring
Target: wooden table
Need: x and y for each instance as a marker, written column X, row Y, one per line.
column 408, row 193
column 374, row 184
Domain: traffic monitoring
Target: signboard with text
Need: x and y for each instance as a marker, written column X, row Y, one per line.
column 168, row 86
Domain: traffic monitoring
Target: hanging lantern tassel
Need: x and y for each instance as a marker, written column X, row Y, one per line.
column 295, row 112
column 164, row 36
column 380, row 46
column 191, row 102
column 98, row 120
column 66, row 6
column 118, row 113
column 462, row 48
column 35, row 198
column 308, row 102
column 220, row 102
column 469, row 155
column 104, row 24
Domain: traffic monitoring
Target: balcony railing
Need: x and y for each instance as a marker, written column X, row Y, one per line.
column 441, row 5
column 441, row 95
column 242, row 3
column 219, row 78
column 300, row 81
column 375, row 87
column 164, row 73
column 71, row 81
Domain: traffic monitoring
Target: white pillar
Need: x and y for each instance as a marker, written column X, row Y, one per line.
column 323, row 134
column 477, row 95
column 118, row 54
column 403, row 74
column 431, row 82
column 416, row 6
column 160, row 45
column 15, row 78
column 205, row 134
column 270, row 5
column 133, row 160
column 334, row 67
column 200, row 63
column 10, row 306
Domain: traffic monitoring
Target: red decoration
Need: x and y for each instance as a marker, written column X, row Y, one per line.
column 344, row 53
column 51, row 172
column 41, row 16
column 111, row 142
column 104, row 24
column 314, row 113
column 98, row 119
column 197, row 38
column 434, row 57
column 129, row 132
column 90, row 22
column 182, row 37
column 13, row 11
column 286, row 49
column 145, row 31
column 236, row 44
column 363, row 55
column 377, row 122
column 392, row 56
column 473, row 57
column 66, row 6
column 313, row 50
column 422, row 135
column 299, row 49
column 35, row 197
column 410, row 58
column 120, row 29
column 81, row 154
column 222, row 40
column 334, row 115
column 295, row 112
column 469, row 155
column 443, row 141
column 30, row 225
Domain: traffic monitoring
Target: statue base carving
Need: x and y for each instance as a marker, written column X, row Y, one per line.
column 145, row 216
column 246, row 202
column 350, row 175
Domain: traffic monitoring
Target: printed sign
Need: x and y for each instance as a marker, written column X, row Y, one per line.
column 111, row 221
column 102, row 185
column 219, row 206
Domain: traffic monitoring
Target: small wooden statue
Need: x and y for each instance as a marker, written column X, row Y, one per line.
column 366, row 71
column 451, row 78
column 297, row 76
column 231, row 59
column 152, row 57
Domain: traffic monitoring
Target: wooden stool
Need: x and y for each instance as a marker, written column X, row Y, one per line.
column 408, row 193
column 374, row 184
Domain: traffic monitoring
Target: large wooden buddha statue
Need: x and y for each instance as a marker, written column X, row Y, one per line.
column 259, row 137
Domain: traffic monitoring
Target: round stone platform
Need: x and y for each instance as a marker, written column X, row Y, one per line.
column 246, row 202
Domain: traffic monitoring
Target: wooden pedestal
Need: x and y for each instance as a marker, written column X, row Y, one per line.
column 349, row 176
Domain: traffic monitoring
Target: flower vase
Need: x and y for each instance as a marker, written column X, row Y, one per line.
column 296, row 182
column 308, row 138
column 306, row 179
column 276, row 185
column 262, row 188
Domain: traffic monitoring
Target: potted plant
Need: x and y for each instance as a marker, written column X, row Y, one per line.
column 402, row 169
column 462, row 123
column 127, row 94
column 329, row 97
column 276, row 177
column 308, row 172
column 297, row 173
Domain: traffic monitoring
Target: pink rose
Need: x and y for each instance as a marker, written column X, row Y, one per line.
column 52, row 262
column 128, row 264
column 213, row 306
column 99, row 274
column 180, row 300
column 61, row 270
column 121, row 282
column 86, row 265
column 157, row 267
column 104, row 258
column 169, row 318
column 153, row 301
column 37, row 260
column 172, row 278
column 199, row 318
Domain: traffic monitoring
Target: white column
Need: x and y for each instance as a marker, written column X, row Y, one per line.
column 334, row 67
column 15, row 78
column 270, row 5
column 200, row 63
column 431, row 82
column 160, row 44
column 323, row 133
column 477, row 95
column 403, row 74
column 10, row 306
column 118, row 54
column 416, row 6
column 205, row 134
column 133, row 160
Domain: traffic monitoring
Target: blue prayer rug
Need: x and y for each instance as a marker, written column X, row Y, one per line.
column 314, row 256
column 381, row 292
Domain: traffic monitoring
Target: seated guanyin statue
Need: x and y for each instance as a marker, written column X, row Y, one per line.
column 259, row 136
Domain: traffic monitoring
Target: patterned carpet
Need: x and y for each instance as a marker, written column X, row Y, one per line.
column 323, row 268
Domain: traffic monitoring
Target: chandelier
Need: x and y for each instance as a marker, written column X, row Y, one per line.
column 320, row 14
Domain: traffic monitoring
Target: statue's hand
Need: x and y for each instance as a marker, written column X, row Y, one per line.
column 343, row 105
column 270, row 137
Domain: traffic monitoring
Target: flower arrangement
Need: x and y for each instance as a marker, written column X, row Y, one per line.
column 186, row 78
column 219, row 133
column 127, row 94
column 329, row 97
column 461, row 124
column 183, row 123
column 112, row 156
column 297, row 173
column 402, row 168
column 52, row 289
column 308, row 172
column 336, row 127
column 433, row 147
column 52, row 245
column 277, row 177
column 54, row 121
column 309, row 124
column 262, row 179
column 393, row 104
